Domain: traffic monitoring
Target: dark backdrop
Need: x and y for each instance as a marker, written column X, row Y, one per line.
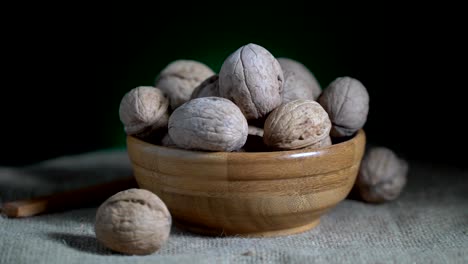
column 66, row 74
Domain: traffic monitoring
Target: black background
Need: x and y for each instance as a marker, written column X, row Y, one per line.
column 66, row 73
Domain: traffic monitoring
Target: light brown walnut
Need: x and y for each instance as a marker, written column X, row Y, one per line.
column 382, row 175
column 252, row 78
column 209, row 87
column 347, row 103
column 179, row 78
column 299, row 81
column 208, row 123
column 297, row 124
column 144, row 110
column 134, row 222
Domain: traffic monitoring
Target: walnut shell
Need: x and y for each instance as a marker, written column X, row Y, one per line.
column 299, row 82
column 208, row 123
column 252, row 78
column 209, row 87
column 347, row 103
column 297, row 124
column 382, row 175
column 179, row 78
column 143, row 110
column 134, row 221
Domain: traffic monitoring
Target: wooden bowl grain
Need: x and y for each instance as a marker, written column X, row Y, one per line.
column 247, row 194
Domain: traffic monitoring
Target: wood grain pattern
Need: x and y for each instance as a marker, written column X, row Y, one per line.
column 248, row 194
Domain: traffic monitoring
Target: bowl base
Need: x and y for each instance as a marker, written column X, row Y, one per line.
column 270, row 233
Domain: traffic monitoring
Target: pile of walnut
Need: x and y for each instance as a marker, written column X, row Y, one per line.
column 257, row 103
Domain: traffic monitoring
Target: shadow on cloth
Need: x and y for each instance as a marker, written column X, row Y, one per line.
column 62, row 174
column 84, row 243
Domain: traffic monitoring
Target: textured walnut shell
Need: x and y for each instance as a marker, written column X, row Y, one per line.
column 297, row 124
column 382, row 175
column 134, row 222
column 252, row 78
column 347, row 103
column 208, row 88
column 179, row 78
column 299, row 82
column 143, row 110
column 208, row 123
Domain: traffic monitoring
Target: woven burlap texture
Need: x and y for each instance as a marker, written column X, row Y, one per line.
column 427, row 224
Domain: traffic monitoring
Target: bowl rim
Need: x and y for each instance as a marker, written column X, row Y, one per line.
column 359, row 135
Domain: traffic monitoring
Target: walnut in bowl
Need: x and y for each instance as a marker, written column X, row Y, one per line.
column 248, row 194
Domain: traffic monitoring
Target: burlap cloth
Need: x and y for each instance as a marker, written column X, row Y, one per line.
column 427, row 224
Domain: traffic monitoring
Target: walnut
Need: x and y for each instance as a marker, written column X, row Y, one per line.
column 179, row 79
column 134, row 222
column 347, row 103
column 144, row 110
column 297, row 124
column 209, row 87
column 299, row 82
column 208, row 123
column 382, row 175
column 252, row 78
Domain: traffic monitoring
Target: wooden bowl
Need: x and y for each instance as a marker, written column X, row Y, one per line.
column 247, row 194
